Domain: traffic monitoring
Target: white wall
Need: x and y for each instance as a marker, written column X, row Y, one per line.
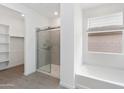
column 108, row 60
column 78, row 40
column 14, row 20
column 32, row 21
column 54, row 21
column 67, row 73
column 16, row 51
column 71, row 43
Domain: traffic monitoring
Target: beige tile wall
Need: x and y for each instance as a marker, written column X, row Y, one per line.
column 55, row 51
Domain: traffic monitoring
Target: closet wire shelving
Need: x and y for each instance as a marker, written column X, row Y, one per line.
column 4, row 43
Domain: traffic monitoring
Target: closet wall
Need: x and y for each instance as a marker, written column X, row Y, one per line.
column 15, row 22
column 16, row 51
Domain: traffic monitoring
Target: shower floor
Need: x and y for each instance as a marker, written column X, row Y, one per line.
column 55, row 70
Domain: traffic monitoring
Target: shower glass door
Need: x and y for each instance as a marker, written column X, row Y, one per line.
column 44, row 51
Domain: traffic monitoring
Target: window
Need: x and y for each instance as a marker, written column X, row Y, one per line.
column 105, row 33
column 115, row 19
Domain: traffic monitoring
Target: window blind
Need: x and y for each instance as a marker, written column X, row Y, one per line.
column 115, row 19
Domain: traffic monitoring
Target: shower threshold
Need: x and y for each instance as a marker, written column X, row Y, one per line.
column 55, row 70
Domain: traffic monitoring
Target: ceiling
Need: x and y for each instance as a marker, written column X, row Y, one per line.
column 48, row 9
column 10, row 12
column 90, row 5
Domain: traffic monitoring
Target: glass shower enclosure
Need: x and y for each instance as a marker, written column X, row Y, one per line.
column 44, row 47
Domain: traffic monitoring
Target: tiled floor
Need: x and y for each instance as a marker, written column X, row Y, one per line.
column 14, row 78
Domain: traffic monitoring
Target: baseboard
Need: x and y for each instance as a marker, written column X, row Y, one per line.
column 63, row 84
column 79, row 86
column 9, row 67
column 28, row 73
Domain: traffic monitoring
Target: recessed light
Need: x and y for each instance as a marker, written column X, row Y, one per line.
column 22, row 15
column 56, row 13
